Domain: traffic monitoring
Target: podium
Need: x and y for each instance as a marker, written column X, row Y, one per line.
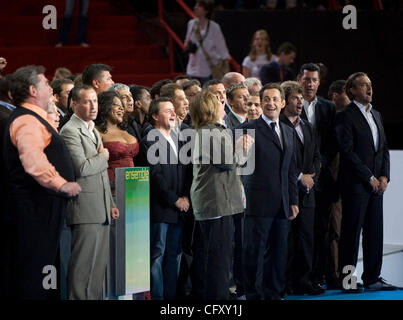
column 130, row 234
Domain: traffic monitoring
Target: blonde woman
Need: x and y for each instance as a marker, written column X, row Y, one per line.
column 215, row 194
column 259, row 55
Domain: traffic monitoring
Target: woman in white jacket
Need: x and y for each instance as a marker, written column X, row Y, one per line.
column 203, row 30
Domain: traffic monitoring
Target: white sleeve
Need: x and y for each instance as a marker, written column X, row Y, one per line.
column 189, row 29
column 222, row 50
column 247, row 63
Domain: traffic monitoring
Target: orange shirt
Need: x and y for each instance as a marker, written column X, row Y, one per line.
column 31, row 138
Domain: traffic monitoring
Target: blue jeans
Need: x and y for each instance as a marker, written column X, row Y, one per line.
column 67, row 19
column 166, row 250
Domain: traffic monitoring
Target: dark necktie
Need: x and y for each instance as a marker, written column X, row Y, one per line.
column 276, row 137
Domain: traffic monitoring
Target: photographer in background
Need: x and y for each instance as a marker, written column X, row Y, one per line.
column 204, row 42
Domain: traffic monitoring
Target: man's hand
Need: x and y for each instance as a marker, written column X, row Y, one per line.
column 294, row 210
column 187, row 202
column 307, row 180
column 383, row 184
column 374, row 184
column 245, row 142
column 3, row 63
column 71, row 189
column 114, row 213
column 104, row 151
column 182, row 204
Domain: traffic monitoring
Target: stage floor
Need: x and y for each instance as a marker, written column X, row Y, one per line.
column 338, row 295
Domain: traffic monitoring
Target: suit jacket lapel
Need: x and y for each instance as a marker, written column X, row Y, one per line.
column 98, row 139
column 378, row 123
column 318, row 111
column 81, row 125
column 267, row 131
column 365, row 124
column 307, row 141
column 303, row 114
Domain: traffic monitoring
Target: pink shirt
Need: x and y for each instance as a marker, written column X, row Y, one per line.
column 31, row 138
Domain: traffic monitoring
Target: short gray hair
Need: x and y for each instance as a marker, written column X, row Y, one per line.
column 118, row 86
column 251, row 81
column 233, row 87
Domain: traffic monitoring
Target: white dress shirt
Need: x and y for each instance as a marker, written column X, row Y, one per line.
column 172, row 143
column 371, row 122
column 310, row 110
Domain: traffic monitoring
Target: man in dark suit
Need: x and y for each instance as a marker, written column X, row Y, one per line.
column 364, row 175
column 279, row 70
column 320, row 113
column 271, row 199
column 308, row 164
column 237, row 97
column 169, row 194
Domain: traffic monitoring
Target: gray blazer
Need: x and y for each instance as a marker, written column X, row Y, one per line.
column 94, row 202
column 216, row 187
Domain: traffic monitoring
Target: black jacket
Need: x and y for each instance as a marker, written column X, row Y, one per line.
column 168, row 178
column 308, row 158
column 271, row 73
column 358, row 158
column 273, row 184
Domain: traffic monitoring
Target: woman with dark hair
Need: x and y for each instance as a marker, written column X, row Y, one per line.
column 203, row 33
column 122, row 146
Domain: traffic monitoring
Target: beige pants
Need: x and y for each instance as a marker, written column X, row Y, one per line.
column 89, row 258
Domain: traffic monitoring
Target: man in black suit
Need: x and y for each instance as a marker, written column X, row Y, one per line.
column 320, row 113
column 364, row 175
column 308, row 164
column 279, row 70
column 237, row 97
column 271, row 198
column 169, row 199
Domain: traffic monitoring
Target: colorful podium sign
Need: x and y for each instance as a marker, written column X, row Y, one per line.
column 132, row 259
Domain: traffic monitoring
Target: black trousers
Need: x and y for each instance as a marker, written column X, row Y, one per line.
column 300, row 248
column 321, row 254
column 265, row 234
column 213, row 257
column 185, row 281
column 237, row 253
column 37, row 224
column 362, row 212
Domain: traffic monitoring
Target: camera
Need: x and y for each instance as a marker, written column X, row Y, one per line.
column 191, row 47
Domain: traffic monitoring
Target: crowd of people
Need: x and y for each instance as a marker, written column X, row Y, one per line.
column 289, row 225
column 279, row 186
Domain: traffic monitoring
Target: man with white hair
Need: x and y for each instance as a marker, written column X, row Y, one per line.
column 254, row 85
